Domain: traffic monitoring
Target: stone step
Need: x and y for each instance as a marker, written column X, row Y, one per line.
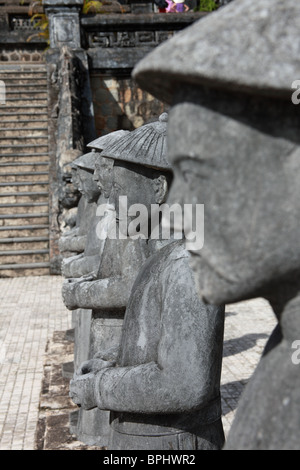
column 24, row 256
column 27, row 77
column 22, row 67
column 24, row 187
column 30, row 176
column 33, row 99
column 17, row 140
column 37, row 157
column 24, row 74
column 9, row 220
column 26, row 86
column 24, row 270
column 25, row 94
column 16, row 76
column 21, row 116
column 22, row 109
column 17, row 149
column 25, row 208
column 24, row 124
column 37, row 230
column 19, row 198
column 17, row 132
column 23, row 82
column 28, row 106
column 24, row 243
column 15, row 167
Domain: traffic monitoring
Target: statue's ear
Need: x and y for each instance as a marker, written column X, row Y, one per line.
column 161, row 189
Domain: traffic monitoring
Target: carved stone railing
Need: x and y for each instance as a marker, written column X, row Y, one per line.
column 15, row 29
column 119, row 41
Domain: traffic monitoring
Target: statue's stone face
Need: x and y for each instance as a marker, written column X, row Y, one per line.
column 139, row 184
column 87, row 185
column 241, row 159
column 75, row 178
column 103, row 174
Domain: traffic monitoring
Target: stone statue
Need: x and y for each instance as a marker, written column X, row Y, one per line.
column 163, row 383
column 88, row 261
column 162, row 379
column 91, row 193
column 129, row 170
column 233, row 138
column 74, row 240
column 107, row 292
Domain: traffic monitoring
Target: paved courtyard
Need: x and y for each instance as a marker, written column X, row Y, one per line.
column 31, row 310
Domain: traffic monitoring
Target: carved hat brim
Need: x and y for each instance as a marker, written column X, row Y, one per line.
column 101, row 142
column 146, row 146
column 247, row 46
column 86, row 161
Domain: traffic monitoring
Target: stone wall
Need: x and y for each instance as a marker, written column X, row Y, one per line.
column 105, row 47
column 15, row 29
column 120, row 104
column 114, row 44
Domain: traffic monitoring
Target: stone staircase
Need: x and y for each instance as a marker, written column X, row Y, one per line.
column 24, row 172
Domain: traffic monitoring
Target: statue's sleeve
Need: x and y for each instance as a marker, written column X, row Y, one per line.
column 188, row 355
column 102, row 293
column 80, row 266
column 76, row 243
column 113, row 290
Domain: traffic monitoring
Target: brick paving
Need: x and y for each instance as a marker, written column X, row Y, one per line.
column 32, row 311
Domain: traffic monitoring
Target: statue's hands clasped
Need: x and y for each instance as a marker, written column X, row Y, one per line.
column 94, row 366
column 82, row 391
column 82, row 386
column 70, row 289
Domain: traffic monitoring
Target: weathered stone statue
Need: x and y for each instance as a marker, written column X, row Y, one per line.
column 74, row 240
column 88, row 262
column 235, row 145
column 107, row 291
column 162, row 382
column 82, row 175
column 91, row 193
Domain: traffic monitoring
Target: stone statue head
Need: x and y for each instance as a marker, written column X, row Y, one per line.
column 103, row 173
column 68, row 190
column 74, row 176
column 234, row 142
column 141, row 171
column 85, row 170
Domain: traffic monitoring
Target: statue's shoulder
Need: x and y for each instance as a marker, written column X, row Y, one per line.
column 169, row 254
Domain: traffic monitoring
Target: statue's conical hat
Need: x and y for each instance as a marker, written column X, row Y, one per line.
column 86, row 161
column 251, row 46
column 101, row 142
column 145, row 146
